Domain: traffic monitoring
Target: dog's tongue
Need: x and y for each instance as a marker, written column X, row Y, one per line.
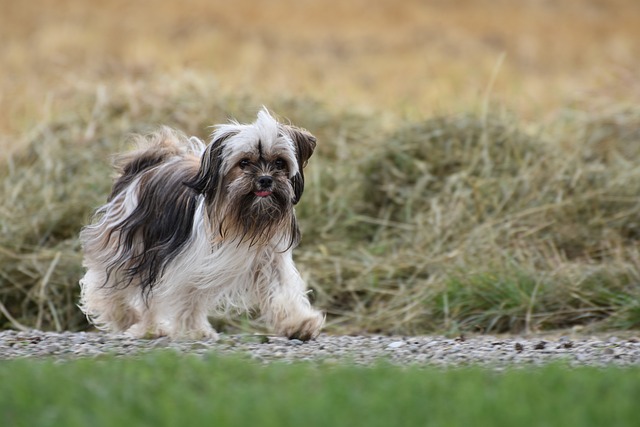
column 263, row 193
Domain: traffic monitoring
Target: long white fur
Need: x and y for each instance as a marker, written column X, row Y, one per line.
column 265, row 129
column 206, row 277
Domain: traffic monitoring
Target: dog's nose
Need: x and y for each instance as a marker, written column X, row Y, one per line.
column 265, row 181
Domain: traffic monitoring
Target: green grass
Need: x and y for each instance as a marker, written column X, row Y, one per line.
column 168, row 389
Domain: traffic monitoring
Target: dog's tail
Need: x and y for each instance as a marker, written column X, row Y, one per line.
column 152, row 150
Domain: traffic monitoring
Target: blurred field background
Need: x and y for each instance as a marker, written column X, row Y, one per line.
column 477, row 161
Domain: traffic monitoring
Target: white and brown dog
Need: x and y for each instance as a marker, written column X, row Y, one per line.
column 191, row 230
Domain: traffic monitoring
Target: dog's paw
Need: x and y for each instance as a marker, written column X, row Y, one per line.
column 304, row 329
column 140, row 331
column 204, row 334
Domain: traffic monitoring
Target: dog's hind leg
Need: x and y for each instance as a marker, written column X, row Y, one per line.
column 109, row 308
column 191, row 321
column 184, row 313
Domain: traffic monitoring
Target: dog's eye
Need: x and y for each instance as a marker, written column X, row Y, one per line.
column 280, row 164
column 244, row 163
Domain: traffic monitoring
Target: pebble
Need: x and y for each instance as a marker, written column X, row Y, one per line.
column 396, row 344
column 439, row 351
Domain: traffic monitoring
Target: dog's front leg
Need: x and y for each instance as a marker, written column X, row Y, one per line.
column 285, row 305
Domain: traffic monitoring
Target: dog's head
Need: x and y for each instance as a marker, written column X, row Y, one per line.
column 252, row 175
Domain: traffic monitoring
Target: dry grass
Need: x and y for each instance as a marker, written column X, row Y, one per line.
column 453, row 223
column 410, row 57
column 477, row 167
column 465, row 223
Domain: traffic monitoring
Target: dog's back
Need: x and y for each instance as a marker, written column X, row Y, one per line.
column 153, row 150
column 149, row 214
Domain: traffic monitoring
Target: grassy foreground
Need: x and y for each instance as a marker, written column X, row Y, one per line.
column 167, row 389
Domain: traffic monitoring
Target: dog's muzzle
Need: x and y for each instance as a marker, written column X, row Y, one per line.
column 264, row 183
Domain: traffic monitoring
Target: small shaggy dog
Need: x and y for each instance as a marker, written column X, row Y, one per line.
column 190, row 230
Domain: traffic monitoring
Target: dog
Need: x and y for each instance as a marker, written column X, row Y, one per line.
column 191, row 230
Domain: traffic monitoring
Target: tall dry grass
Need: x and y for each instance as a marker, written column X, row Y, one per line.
column 456, row 223
column 476, row 169
column 411, row 57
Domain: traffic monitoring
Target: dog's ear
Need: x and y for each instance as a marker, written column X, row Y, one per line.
column 304, row 144
column 207, row 180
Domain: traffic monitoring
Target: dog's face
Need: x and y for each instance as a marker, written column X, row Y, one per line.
column 251, row 176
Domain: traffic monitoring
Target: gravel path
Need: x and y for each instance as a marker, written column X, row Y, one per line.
column 423, row 350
